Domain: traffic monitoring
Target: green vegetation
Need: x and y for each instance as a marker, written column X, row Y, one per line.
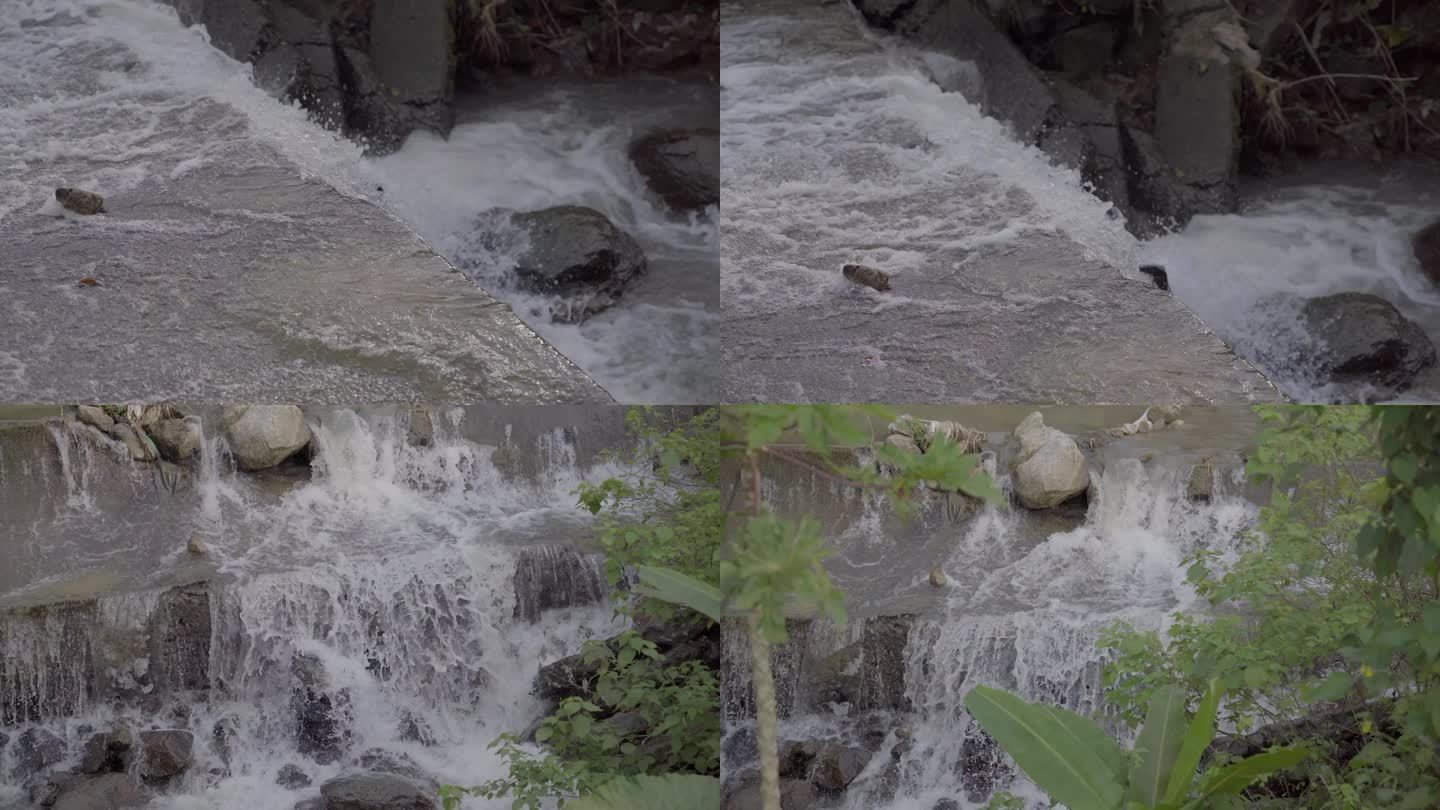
column 773, row 563
column 1319, row 656
column 646, row 726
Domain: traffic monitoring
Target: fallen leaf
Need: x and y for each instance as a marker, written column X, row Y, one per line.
column 89, row 282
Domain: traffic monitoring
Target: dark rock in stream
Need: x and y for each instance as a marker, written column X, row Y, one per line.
column 579, row 255
column 1427, row 251
column 682, row 167
column 111, row 791
column 1366, row 341
column 378, row 760
column 291, row 777
column 375, row 791
column 35, row 750
column 165, row 754
column 322, row 715
column 375, row 70
column 108, row 752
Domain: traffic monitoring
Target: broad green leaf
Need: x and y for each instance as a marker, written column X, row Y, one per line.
column 667, row 792
column 1197, row 738
column 1158, row 745
column 1088, row 734
column 1046, row 749
column 672, row 586
column 1231, row 779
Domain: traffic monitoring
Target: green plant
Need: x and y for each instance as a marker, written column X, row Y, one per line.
column 640, row 714
column 663, row 511
column 1079, row 765
column 773, row 563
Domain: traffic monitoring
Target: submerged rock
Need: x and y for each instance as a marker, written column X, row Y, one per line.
column 1427, row 251
column 375, row 791
column 579, row 255
column 1202, row 480
column 1364, row 339
column 795, row 794
column 262, row 436
column 683, row 167
column 291, row 777
column 1050, row 468
column 165, row 754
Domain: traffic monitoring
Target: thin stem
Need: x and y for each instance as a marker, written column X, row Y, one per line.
column 765, row 714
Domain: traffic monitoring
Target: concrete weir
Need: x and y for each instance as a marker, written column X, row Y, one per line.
column 226, row 265
column 1010, row 282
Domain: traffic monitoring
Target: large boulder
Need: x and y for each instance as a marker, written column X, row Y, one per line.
column 110, row 791
column 683, row 167
column 375, row 791
column 1427, row 251
column 177, row 439
column 795, row 794
column 35, row 750
column 165, row 754
column 1050, row 468
column 108, row 751
column 553, row 576
column 374, row 70
column 1363, row 340
column 578, row 255
column 262, row 436
column 322, row 713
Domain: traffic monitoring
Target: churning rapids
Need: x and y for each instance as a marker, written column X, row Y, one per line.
column 1011, row 282
column 226, row 253
column 417, row 587
column 1027, row 595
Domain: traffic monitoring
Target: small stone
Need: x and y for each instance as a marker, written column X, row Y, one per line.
column 177, row 439
column 197, row 546
column 80, row 202
column 937, row 577
column 867, row 276
column 292, row 778
column 1202, row 480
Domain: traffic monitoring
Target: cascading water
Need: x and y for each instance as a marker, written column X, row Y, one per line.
column 538, row 145
column 118, row 97
column 1026, row 596
column 387, row 611
column 1011, row 282
column 1247, row 274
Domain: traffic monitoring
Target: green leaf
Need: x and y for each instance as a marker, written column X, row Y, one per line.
column 1403, row 468
column 666, row 792
column 1049, row 751
column 1197, row 739
column 672, row 586
column 1231, row 779
column 1335, row 686
column 1158, row 745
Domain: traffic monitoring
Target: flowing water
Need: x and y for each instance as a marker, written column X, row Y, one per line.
column 1027, row 595
column 1010, row 281
column 532, row 145
column 1327, row 231
column 420, row 586
column 229, row 267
